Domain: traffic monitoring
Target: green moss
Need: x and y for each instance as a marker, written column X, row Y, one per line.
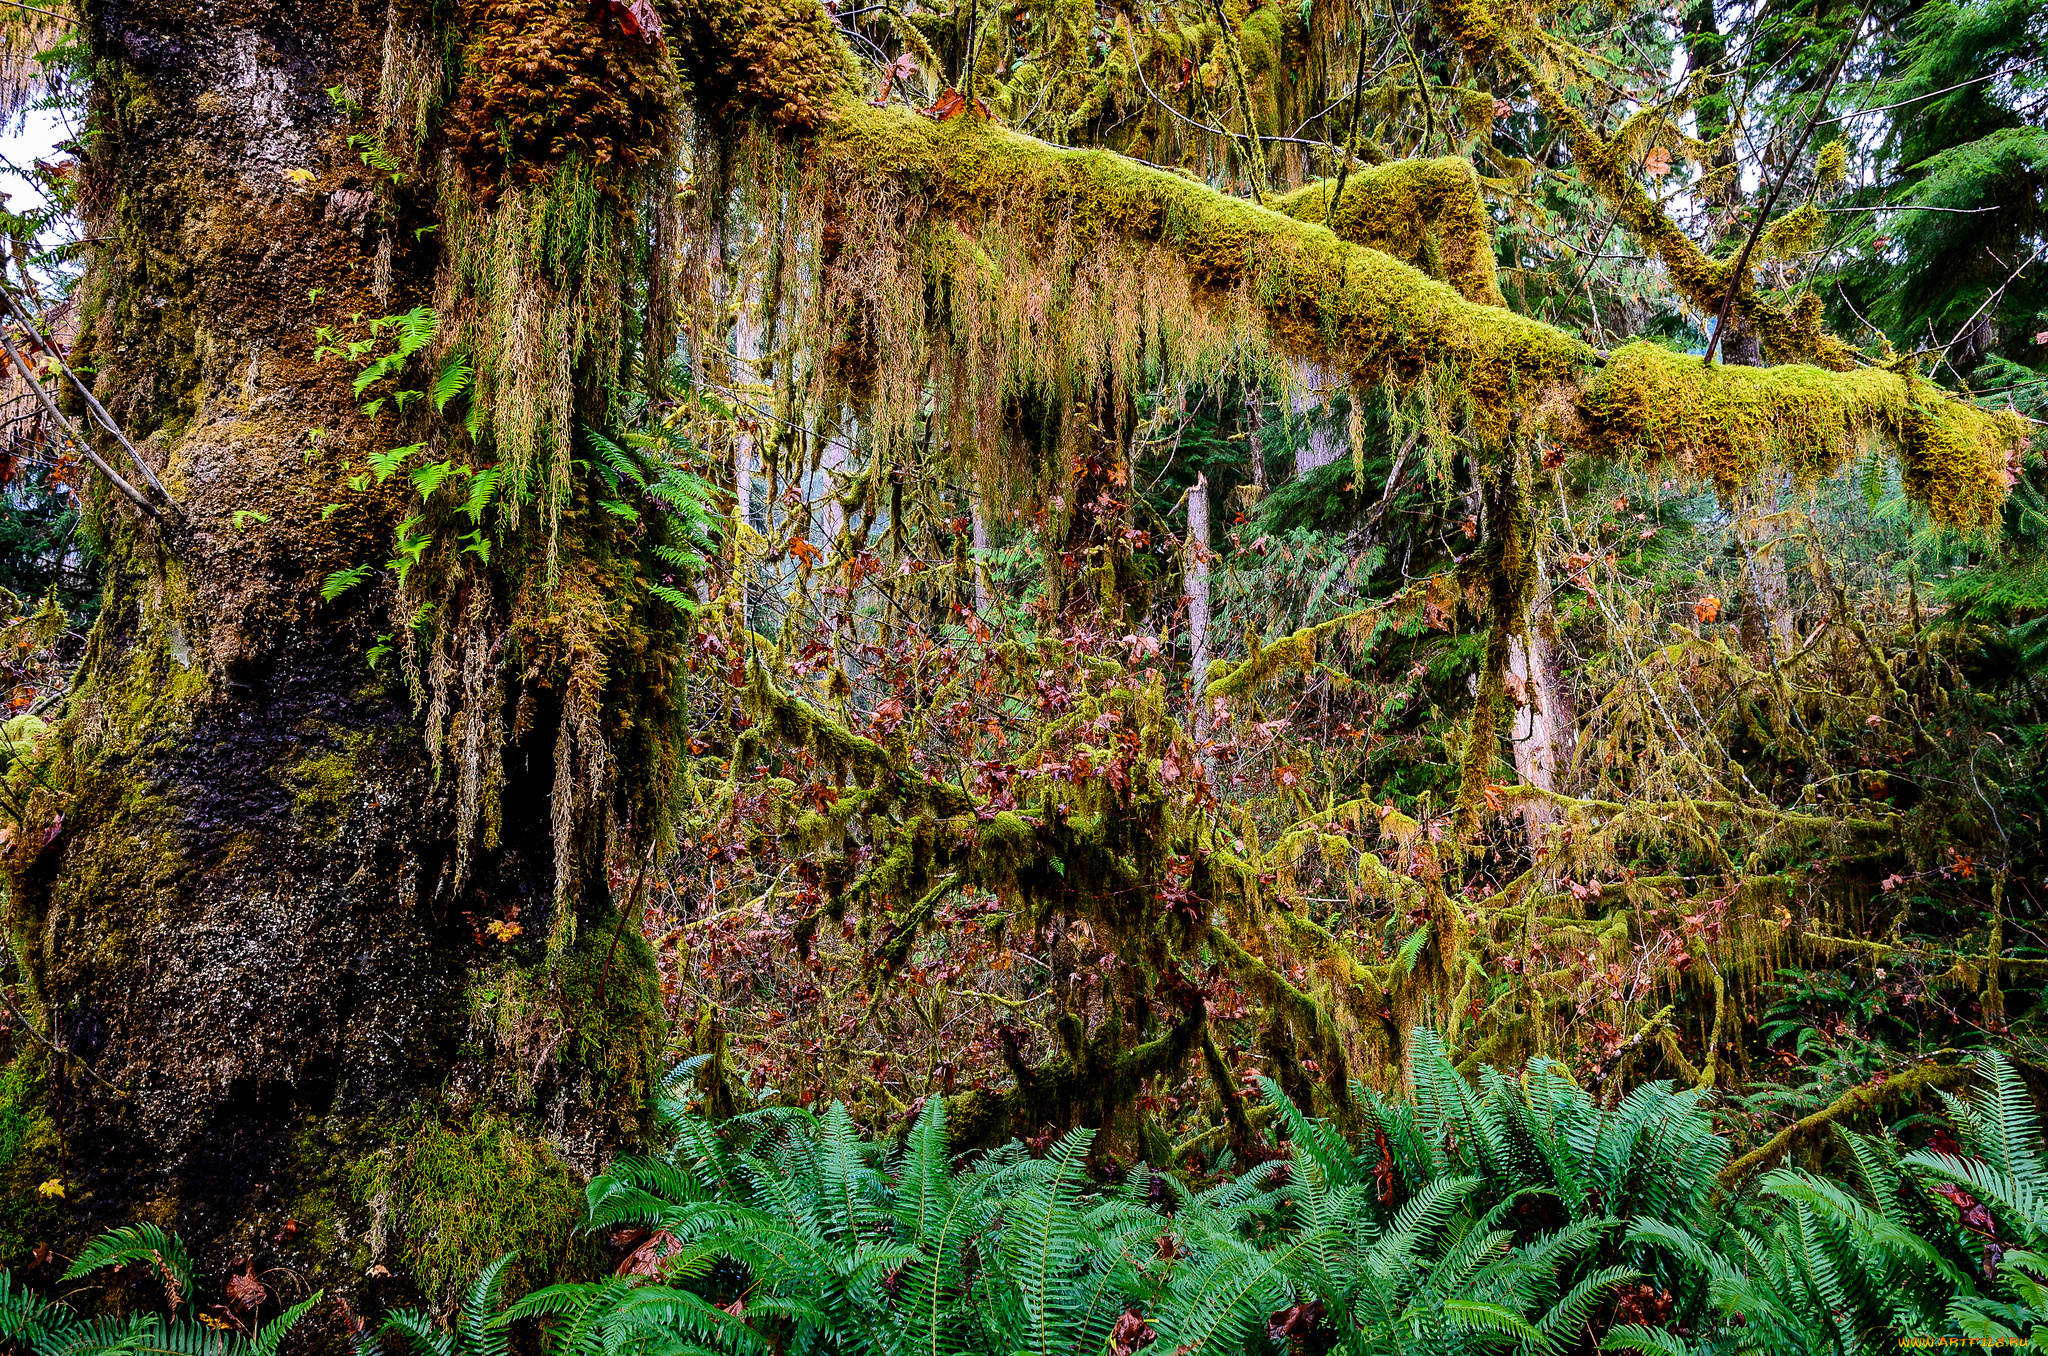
column 591, row 1015
column 28, row 1157
column 1794, row 233
column 1725, row 424
column 450, row 1197
column 780, row 58
column 610, row 996
column 323, row 784
column 1369, row 315
column 1426, row 213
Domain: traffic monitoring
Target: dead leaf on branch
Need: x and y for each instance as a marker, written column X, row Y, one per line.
column 952, row 103
column 902, row 68
column 636, row 19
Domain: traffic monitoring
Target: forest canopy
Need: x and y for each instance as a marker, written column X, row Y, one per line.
column 1235, row 675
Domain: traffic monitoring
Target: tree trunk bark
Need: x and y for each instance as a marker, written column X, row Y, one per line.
column 1197, row 573
column 1545, row 720
column 300, row 922
column 1770, row 619
column 1309, row 397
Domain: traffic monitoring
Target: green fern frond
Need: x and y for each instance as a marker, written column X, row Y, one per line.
column 165, row 1252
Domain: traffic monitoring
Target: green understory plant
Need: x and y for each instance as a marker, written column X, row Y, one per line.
column 185, row 1327
column 1507, row 1214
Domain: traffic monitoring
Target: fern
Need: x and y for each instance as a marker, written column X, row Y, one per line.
column 389, row 462
column 1385, row 1245
column 140, row 1243
column 450, row 383
column 341, row 581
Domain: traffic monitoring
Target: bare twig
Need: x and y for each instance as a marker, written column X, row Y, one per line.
column 1886, row 108
column 56, row 416
column 1778, row 186
column 10, row 303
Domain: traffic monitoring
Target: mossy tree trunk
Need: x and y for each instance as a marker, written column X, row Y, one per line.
column 240, row 914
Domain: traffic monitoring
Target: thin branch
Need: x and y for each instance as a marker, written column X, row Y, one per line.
column 1886, row 108
column 1350, row 134
column 52, row 1046
column 1138, row 65
column 1913, row 207
column 10, row 303
column 1995, row 295
column 46, row 13
column 1778, row 186
column 57, row 417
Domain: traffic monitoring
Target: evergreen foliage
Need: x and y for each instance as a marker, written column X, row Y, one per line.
column 1522, row 1214
column 33, row 1324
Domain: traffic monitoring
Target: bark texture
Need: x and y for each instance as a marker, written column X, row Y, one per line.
column 1545, row 725
column 241, row 925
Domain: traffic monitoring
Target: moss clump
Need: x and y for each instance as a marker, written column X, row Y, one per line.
column 1426, row 213
column 610, row 995
column 582, row 1026
column 781, row 58
column 28, row 1153
column 1725, row 424
column 449, row 1198
column 324, row 784
column 548, row 81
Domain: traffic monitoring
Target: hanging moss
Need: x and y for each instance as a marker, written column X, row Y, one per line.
column 1311, row 294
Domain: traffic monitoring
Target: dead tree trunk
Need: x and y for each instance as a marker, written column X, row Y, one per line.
column 1545, row 720
column 1770, row 618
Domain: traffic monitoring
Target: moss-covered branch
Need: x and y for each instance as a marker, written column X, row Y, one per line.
column 1726, row 424
column 1793, row 335
column 1920, row 1078
column 1426, row 213
column 1297, row 649
column 1723, row 810
column 1318, row 298
column 1090, row 1079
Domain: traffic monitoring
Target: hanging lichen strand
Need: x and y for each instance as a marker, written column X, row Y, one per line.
column 549, row 133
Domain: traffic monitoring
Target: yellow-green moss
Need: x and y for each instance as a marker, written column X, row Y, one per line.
column 1426, row 213
column 592, row 1014
column 449, row 1197
column 1725, row 424
column 322, row 785
column 1313, row 295
column 28, row 1157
